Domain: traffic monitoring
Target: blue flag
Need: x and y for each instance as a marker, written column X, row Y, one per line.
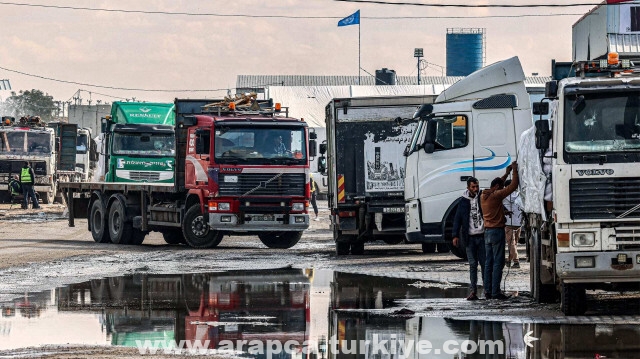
column 353, row 19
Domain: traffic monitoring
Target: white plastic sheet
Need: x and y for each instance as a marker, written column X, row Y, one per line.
column 532, row 177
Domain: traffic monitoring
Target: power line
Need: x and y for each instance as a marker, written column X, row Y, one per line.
column 520, row 6
column 147, row 12
column 109, row 87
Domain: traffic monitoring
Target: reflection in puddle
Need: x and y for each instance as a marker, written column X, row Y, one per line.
column 289, row 305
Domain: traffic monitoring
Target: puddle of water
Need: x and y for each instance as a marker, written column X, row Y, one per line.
column 295, row 305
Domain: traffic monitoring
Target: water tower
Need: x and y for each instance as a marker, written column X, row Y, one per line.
column 465, row 50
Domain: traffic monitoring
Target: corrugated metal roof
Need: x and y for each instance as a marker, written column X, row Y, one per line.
column 262, row 81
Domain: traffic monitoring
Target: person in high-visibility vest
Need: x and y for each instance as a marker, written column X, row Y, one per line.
column 14, row 185
column 27, row 179
column 314, row 195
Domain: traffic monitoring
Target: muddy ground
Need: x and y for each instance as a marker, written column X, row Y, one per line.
column 38, row 252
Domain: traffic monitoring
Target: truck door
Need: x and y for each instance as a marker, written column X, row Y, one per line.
column 443, row 174
column 494, row 145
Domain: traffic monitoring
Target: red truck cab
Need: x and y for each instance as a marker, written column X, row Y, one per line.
column 251, row 171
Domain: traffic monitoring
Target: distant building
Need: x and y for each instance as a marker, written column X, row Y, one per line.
column 88, row 116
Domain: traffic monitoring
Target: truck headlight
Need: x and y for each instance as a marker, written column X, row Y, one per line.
column 297, row 206
column 583, row 239
column 224, row 206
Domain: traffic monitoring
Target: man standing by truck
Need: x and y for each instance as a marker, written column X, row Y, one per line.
column 494, row 223
column 512, row 229
column 27, row 179
column 468, row 228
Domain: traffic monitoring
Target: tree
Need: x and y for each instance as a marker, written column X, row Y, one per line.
column 30, row 103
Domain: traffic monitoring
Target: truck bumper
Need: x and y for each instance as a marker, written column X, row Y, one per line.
column 231, row 222
column 605, row 268
column 37, row 188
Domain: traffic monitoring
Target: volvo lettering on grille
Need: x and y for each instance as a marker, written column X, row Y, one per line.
column 595, row 172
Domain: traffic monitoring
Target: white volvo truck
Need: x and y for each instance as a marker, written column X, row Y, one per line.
column 472, row 129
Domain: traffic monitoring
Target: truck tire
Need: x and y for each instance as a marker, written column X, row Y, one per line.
column 357, row 248
column 98, row 218
column 47, row 197
column 542, row 293
column 173, row 236
column 428, row 248
column 443, row 248
column 120, row 230
column 460, row 251
column 280, row 240
column 138, row 237
column 342, row 248
column 573, row 299
column 196, row 230
column 393, row 239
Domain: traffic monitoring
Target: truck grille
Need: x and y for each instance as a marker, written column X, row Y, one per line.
column 144, row 176
column 604, row 198
column 265, row 184
column 627, row 235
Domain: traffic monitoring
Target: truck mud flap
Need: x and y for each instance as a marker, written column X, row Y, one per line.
column 347, row 224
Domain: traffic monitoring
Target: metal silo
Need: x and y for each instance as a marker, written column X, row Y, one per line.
column 465, row 51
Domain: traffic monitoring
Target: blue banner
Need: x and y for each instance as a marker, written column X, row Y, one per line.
column 353, row 19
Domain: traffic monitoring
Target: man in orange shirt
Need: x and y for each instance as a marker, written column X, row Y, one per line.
column 494, row 223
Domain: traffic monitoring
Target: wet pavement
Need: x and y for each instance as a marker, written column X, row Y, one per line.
column 310, row 305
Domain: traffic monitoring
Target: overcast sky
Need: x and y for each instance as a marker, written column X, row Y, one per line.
column 196, row 52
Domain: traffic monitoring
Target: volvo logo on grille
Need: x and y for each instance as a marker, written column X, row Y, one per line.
column 595, row 172
column 263, row 184
column 231, row 169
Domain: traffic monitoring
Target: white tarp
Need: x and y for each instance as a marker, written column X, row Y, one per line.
column 532, row 177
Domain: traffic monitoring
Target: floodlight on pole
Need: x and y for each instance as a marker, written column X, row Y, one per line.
column 418, row 53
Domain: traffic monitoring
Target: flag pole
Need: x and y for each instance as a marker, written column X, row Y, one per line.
column 359, row 67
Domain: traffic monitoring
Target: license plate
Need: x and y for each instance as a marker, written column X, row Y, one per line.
column 393, row 210
column 265, row 218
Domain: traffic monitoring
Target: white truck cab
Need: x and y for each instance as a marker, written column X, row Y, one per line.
column 472, row 130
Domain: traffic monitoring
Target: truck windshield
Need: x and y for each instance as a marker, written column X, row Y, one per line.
column 602, row 123
column 260, row 145
column 150, row 145
column 24, row 142
column 82, row 144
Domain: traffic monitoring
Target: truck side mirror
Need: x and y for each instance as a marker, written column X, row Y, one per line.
column 540, row 108
column 429, row 145
column 551, row 89
column 313, row 135
column 322, row 165
column 543, row 134
column 323, row 148
column 423, row 111
column 199, row 141
column 312, row 147
column 104, row 125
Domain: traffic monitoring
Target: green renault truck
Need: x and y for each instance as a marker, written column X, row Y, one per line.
column 139, row 142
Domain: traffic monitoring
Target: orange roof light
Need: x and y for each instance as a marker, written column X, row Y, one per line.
column 278, row 106
column 7, row 121
column 613, row 58
column 232, row 106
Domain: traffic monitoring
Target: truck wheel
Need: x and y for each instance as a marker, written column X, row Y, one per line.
column 460, row 251
column 342, row 248
column 357, row 248
column 393, row 239
column 280, row 240
column 573, row 299
column 98, row 219
column 173, row 236
column 542, row 293
column 443, row 248
column 138, row 237
column 196, row 230
column 428, row 248
column 120, row 230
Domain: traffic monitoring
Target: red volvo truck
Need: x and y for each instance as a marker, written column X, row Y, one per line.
column 238, row 171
